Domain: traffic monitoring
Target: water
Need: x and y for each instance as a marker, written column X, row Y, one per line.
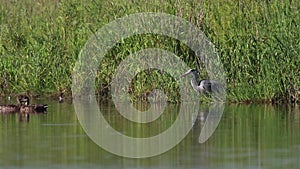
column 248, row 136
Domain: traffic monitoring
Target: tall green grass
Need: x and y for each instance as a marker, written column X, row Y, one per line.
column 258, row 42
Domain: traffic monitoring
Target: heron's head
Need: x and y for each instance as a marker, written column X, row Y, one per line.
column 191, row 71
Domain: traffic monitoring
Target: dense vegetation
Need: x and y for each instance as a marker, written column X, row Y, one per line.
column 258, row 42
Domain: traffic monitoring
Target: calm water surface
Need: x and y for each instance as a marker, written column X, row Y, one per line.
column 248, row 136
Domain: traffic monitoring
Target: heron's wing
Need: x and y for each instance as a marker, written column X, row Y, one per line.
column 210, row 85
column 205, row 84
column 201, row 82
column 217, row 86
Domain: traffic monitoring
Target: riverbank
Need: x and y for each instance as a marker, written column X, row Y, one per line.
column 258, row 43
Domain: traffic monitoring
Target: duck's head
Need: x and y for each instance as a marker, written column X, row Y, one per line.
column 23, row 100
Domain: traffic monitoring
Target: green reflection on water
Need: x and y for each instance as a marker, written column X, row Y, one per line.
column 139, row 130
column 248, row 136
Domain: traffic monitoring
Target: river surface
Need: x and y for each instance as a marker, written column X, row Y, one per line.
column 247, row 136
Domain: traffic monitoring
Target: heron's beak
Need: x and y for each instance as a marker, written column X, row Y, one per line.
column 186, row 73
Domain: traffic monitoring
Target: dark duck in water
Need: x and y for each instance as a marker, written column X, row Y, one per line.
column 5, row 109
column 26, row 107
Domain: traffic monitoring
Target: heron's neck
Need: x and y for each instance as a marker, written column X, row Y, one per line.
column 194, row 81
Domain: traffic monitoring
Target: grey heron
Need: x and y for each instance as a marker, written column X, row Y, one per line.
column 204, row 86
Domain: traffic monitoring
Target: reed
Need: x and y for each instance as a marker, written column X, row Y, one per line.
column 258, row 42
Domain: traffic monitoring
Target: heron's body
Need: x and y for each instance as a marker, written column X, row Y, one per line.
column 204, row 86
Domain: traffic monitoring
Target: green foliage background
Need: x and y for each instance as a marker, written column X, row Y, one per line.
column 258, row 42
